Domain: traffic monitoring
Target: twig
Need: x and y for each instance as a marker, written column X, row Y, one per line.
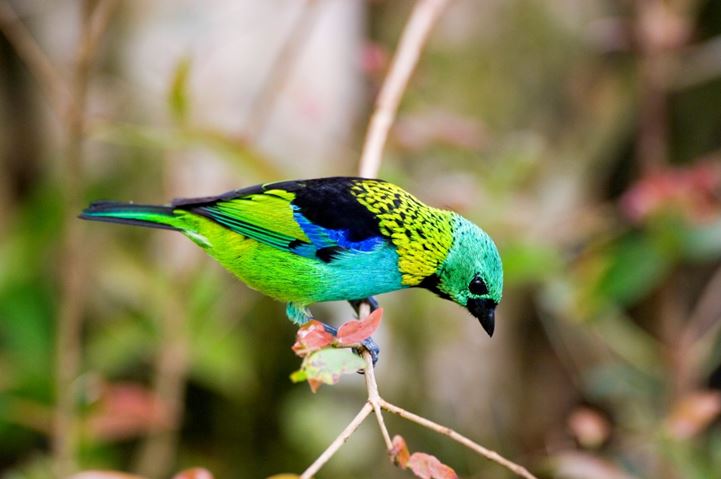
column 375, row 400
column 446, row 431
column 40, row 66
column 376, row 403
column 338, row 442
column 656, row 55
column 697, row 338
column 373, row 397
column 415, row 34
column 170, row 373
column 72, row 268
column 707, row 312
column 279, row 73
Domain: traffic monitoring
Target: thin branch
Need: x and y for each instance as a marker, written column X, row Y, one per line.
column 72, row 265
column 263, row 103
column 698, row 336
column 655, row 61
column 170, row 373
column 374, row 398
column 415, row 34
column 376, row 403
column 338, row 442
column 705, row 316
column 51, row 81
column 446, row 431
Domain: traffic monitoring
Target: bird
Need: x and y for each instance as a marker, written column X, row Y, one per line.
column 332, row 239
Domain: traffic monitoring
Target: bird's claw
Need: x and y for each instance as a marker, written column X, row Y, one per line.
column 367, row 344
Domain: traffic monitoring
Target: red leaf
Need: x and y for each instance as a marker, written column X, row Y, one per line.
column 399, row 452
column 314, row 385
column 691, row 191
column 194, row 473
column 312, row 336
column 355, row 331
column 426, row 466
column 126, row 410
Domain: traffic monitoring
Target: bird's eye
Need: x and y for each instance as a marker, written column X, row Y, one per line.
column 478, row 286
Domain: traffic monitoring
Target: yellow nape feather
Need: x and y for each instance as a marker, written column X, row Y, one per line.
column 421, row 234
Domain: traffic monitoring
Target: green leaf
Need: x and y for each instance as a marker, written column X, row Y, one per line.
column 178, row 101
column 528, row 262
column 703, row 243
column 327, row 366
column 637, row 266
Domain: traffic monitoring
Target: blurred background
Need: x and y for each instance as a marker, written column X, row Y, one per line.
column 585, row 137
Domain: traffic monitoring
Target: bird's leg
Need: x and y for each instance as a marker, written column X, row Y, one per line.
column 298, row 314
column 367, row 343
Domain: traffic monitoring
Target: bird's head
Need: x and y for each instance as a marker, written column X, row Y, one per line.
column 472, row 274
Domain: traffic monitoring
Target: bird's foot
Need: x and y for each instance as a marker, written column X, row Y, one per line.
column 373, row 348
column 300, row 315
column 368, row 344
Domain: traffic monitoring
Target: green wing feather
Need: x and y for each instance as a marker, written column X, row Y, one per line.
column 265, row 216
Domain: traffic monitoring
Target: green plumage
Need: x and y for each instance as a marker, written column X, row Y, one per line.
column 330, row 239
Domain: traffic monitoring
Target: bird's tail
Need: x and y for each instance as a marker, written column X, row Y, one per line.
column 128, row 213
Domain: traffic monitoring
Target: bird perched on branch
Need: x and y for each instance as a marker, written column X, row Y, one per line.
column 330, row 239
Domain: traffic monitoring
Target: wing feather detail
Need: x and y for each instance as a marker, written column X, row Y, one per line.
column 312, row 218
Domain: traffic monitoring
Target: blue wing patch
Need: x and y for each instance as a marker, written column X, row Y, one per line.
column 329, row 243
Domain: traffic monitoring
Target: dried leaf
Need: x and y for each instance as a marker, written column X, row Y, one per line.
column 426, row 466
column 355, row 331
column 693, row 412
column 103, row 475
column 399, row 452
column 578, row 465
column 126, row 410
column 326, row 367
column 691, row 191
column 311, row 337
column 194, row 473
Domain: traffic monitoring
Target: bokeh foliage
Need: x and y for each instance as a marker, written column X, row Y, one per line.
column 526, row 116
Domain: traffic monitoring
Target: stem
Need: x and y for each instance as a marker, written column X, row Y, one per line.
column 338, row 442
column 415, row 34
column 375, row 400
column 157, row 452
column 446, row 431
column 71, row 263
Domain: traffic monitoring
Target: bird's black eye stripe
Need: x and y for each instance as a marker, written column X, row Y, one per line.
column 478, row 286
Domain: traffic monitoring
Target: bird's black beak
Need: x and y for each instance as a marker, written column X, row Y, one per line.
column 485, row 311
